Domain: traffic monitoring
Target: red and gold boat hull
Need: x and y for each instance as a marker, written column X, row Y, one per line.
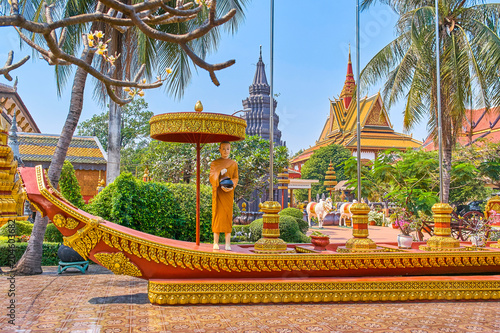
column 168, row 263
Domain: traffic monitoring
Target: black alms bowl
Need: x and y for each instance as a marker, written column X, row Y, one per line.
column 226, row 183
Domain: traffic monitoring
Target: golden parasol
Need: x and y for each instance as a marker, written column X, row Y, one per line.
column 198, row 128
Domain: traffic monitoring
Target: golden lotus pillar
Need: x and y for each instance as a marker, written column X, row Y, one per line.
column 12, row 196
column 360, row 241
column 270, row 241
column 442, row 240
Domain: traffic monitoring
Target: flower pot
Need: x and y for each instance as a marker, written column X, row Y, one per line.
column 477, row 241
column 394, row 226
column 320, row 243
column 373, row 223
column 404, row 241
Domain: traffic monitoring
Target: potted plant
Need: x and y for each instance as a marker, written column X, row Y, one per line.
column 479, row 231
column 375, row 218
column 319, row 240
column 406, row 225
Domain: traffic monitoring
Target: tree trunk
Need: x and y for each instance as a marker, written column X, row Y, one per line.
column 75, row 110
column 31, row 261
column 115, row 122
column 114, row 144
column 446, row 172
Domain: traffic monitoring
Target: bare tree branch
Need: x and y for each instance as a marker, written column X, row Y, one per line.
column 147, row 16
column 9, row 66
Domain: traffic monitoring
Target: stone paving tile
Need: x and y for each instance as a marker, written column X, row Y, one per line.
column 102, row 302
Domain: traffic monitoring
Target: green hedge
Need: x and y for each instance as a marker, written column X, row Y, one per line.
column 289, row 230
column 49, row 254
column 70, row 188
column 22, row 228
column 52, row 235
column 298, row 215
column 166, row 210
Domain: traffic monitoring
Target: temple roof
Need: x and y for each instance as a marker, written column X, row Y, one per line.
column 41, row 147
column 340, row 128
column 478, row 124
column 11, row 102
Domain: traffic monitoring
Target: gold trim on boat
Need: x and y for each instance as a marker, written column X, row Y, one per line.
column 163, row 293
column 118, row 263
column 85, row 239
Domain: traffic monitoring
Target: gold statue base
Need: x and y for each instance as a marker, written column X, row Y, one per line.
column 441, row 243
column 299, row 290
column 271, row 245
column 356, row 244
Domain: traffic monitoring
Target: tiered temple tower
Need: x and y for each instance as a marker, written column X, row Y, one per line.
column 259, row 104
column 377, row 132
column 11, row 194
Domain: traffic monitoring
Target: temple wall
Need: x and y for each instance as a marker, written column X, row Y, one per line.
column 89, row 180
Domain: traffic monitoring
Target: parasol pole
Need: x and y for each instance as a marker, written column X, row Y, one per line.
column 198, row 148
column 358, row 124
column 271, row 110
column 438, row 102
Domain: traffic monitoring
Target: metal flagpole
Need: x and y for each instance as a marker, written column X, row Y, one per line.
column 358, row 124
column 438, row 102
column 271, row 112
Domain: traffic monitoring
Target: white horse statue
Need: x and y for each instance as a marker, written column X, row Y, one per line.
column 345, row 213
column 318, row 210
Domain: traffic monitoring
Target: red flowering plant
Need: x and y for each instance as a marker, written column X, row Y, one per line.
column 407, row 222
column 22, row 238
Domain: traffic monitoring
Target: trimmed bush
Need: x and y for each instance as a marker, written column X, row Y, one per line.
column 70, row 189
column 166, row 210
column 22, row 228
column 240, row 228
column 52, row 235
column 49, row 254
column 298, row 215
column 256, row 230
column 289, row 230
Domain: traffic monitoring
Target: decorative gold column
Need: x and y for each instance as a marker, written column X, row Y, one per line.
column 330, row 179
column 442, row 240
column 270, row 241
column 360, row 241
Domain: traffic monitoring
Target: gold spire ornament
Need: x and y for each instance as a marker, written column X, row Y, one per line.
column 198, row 106
column 330, row 179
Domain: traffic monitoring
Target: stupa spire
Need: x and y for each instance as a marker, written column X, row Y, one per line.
column 259, row 85
column 349, row 85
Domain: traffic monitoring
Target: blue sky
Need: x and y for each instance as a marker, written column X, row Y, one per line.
column 311, row 45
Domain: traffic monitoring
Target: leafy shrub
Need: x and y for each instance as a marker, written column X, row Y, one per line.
column 49, row 253
column 240, row 233
column 22, row 228
column 166, row 210
column 298, row 215
column 52, row 235
column 70, row 189
column 289, row 230
column 256, row 230
column 378, row 217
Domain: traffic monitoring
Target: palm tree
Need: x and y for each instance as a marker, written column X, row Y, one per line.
column 469, row 46
column 134, row 48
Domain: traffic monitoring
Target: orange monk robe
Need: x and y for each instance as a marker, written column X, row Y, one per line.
column 222, row 202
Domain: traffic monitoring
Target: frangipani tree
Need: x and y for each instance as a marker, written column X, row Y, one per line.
column 69, row 33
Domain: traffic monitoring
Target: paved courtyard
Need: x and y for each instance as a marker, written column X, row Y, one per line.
column 102, row 302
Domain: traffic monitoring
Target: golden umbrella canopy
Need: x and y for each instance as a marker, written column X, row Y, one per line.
column 199, row 128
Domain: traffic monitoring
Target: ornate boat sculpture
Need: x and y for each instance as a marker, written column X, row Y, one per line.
column 183, row 272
